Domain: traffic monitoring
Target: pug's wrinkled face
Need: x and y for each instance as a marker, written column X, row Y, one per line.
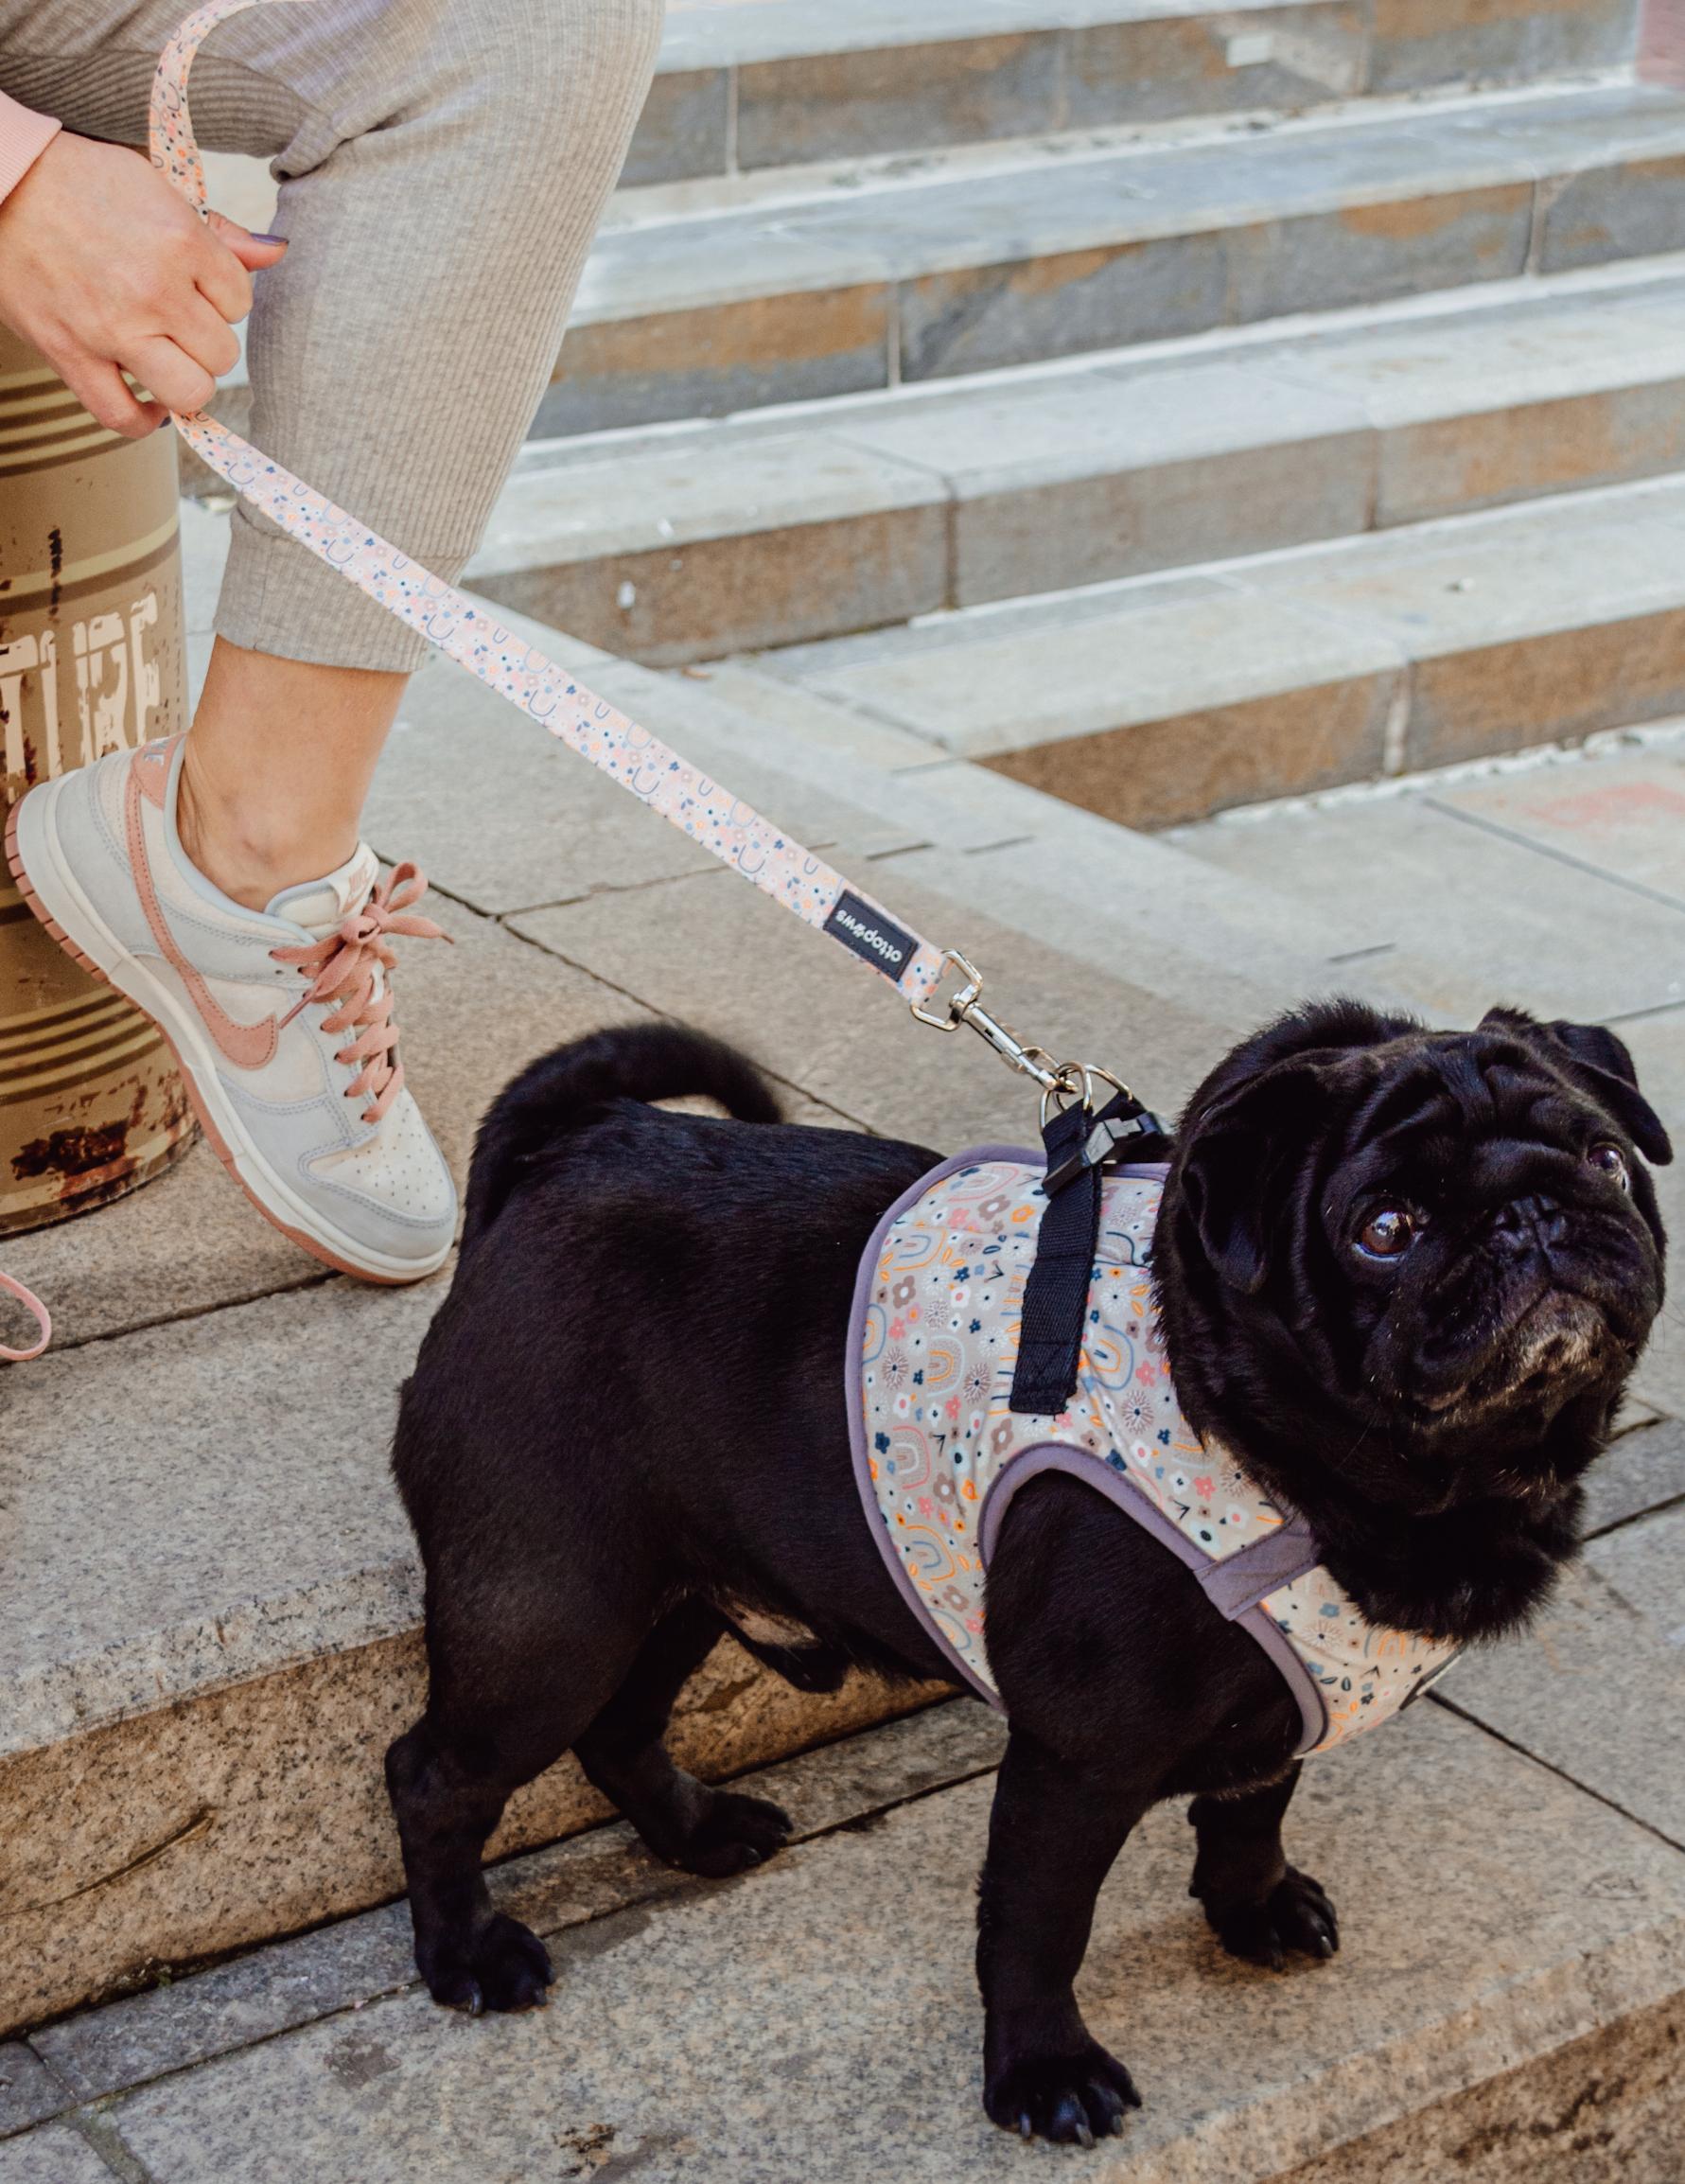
column 1446, row 1241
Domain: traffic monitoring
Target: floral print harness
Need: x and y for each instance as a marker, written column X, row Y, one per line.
column 939, row 1454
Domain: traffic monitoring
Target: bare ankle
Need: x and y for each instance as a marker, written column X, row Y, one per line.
column 250, row 864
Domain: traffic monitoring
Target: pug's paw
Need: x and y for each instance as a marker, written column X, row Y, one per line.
column 1296, row 1914
column 505, row 1967
column 733, row 1834
column 1071, row 2098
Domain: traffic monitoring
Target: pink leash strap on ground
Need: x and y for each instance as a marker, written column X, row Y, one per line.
column 31, row 1303
column 720, row 823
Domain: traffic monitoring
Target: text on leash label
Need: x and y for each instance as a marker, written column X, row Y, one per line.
column 877, row 939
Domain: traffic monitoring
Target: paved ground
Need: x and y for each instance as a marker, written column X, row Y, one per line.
column 818, row 2020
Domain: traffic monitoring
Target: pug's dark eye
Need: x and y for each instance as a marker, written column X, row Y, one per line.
column 1389, row 1232
column 1610, row 1160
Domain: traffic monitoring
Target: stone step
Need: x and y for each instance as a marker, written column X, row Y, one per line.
column 862, row 278
column 197, row 1695
column 528, row 830
column 1598, row 838
column 1495, row 2012
column 775, row 82
column 678, row 544
column 1163, row 698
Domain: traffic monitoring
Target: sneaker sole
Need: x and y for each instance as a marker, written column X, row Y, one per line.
column 125, row 973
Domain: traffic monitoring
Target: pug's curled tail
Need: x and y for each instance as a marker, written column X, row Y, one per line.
column 573, row 1085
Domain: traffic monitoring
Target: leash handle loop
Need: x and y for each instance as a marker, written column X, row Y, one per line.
column 31, row 1303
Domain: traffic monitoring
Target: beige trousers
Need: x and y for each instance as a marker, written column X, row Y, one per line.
column 442, row 166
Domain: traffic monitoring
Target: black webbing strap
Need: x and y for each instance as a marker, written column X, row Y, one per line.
column 1056, row 1293
column 1080, row 1145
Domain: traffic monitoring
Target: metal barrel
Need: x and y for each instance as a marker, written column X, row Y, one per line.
column 93, row 658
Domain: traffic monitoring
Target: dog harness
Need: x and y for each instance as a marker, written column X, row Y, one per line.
column 940, row 1454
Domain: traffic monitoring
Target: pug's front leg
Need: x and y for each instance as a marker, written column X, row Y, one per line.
column 1258, row 1906
column 1053, row 1833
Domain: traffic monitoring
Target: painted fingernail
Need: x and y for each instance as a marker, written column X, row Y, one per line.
column 278, row 238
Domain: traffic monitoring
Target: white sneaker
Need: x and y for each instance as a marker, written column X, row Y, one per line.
column 280, row 1019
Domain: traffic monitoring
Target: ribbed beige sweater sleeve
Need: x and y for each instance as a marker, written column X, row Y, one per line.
column 23, row 137
column 442, row 166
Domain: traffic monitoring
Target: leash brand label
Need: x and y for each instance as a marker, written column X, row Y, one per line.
column 872, row 937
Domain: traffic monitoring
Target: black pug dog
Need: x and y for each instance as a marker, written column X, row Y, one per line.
column 1403, row 1274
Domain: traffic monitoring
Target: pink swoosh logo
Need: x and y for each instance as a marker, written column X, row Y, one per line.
column 246, row 1046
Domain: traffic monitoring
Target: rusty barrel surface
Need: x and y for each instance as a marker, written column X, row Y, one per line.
column 93, row 658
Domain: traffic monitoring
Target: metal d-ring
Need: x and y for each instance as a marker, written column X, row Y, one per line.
column 1076, row 1080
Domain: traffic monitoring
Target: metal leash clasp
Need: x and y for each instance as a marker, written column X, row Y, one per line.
column 964, row 1006
column 1065, row 1084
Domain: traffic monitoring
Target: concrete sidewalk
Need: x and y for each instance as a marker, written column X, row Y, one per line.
column 209, row 1628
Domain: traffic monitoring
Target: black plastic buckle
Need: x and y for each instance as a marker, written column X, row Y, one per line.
column 1118, row 1124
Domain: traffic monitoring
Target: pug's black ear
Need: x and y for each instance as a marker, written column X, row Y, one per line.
column 1601, row 1065
column 1233, row 1161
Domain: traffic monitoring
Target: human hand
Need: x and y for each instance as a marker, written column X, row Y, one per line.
column 105, row 269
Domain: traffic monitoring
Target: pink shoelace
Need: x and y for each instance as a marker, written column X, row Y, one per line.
column 27, row 1298
column 352, row 967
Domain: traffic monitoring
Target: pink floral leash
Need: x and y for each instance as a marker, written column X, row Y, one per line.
column 465, row 632
column 733, row 830
column 703, row 809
